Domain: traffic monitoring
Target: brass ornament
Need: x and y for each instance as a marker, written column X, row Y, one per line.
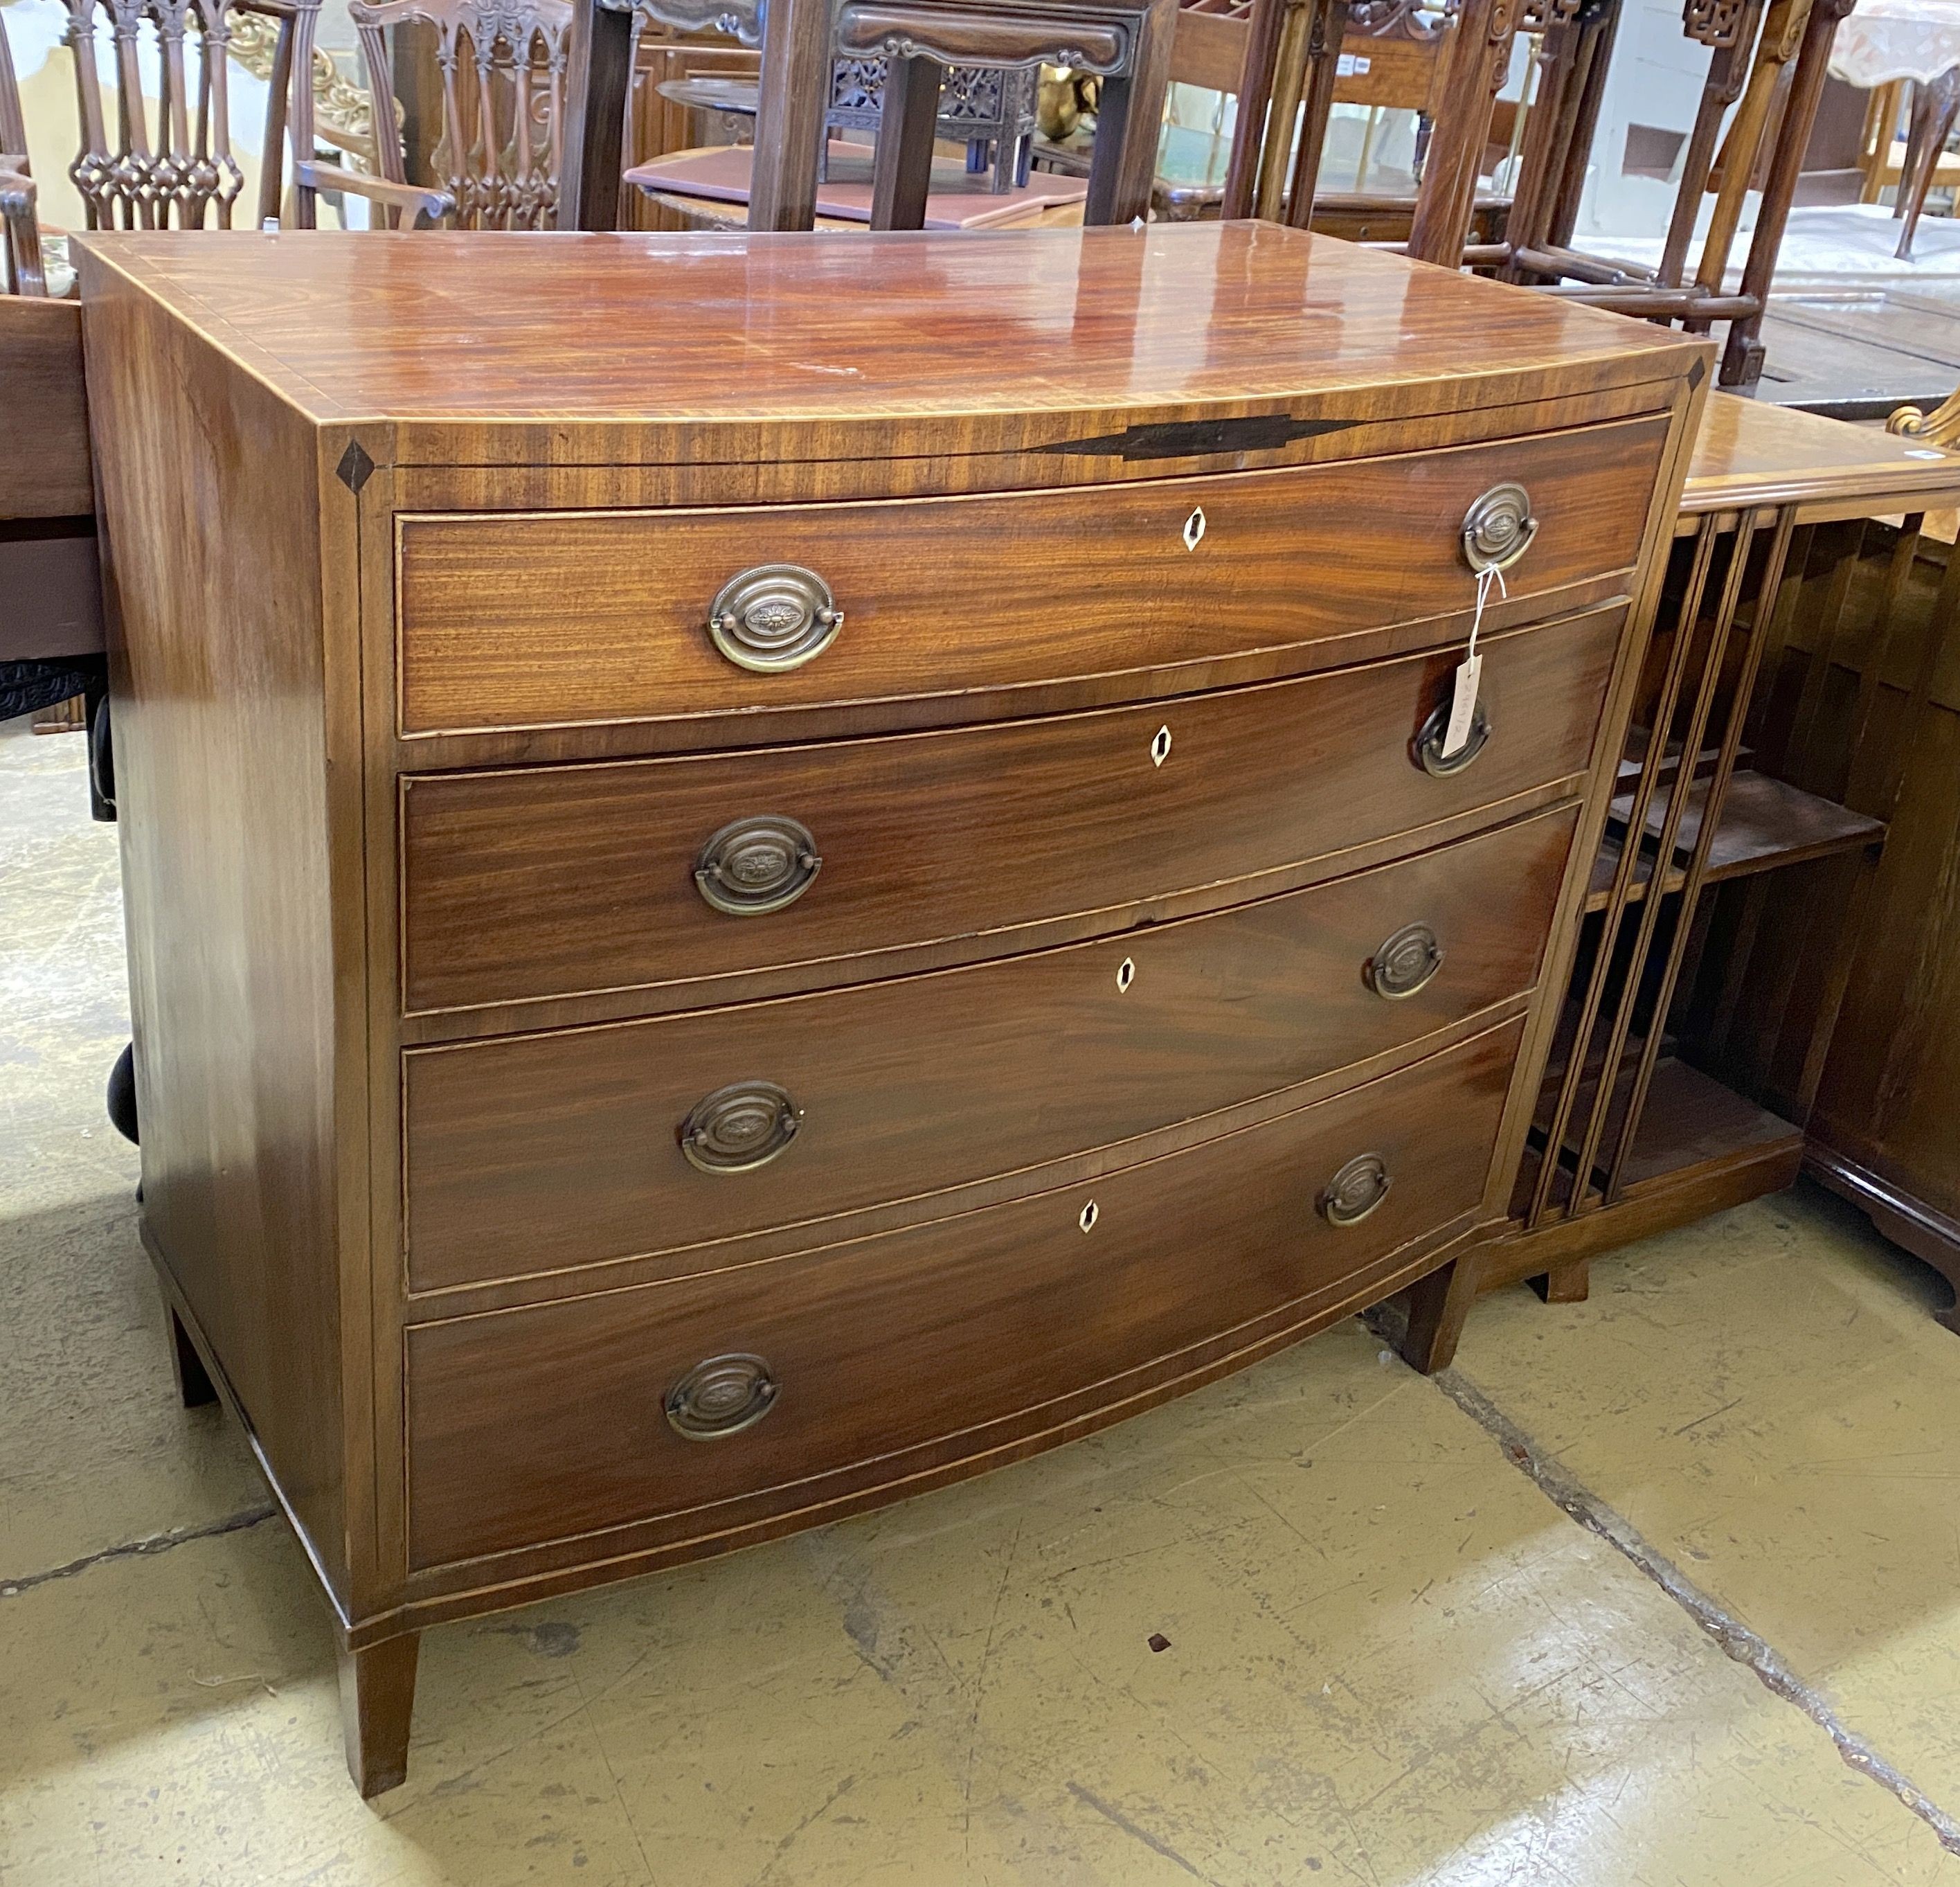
column 773, row 618
column 1498, row 528
column 720, row 1397
column 754, row 866
column 738, row 1128
column 1356, row 1190
column 1406, row 963
column 1428, row 747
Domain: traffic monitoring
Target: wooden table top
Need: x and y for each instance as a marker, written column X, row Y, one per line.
column 441, row 328
column 1751, row 452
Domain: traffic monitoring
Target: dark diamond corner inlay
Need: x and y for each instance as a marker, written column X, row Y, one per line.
column 1697, row 374
column 355, row 467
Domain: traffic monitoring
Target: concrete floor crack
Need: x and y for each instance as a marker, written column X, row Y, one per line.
column 143, row 1549
column 1735, row 1638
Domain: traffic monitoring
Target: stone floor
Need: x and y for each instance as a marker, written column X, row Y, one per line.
column 1725, row 1654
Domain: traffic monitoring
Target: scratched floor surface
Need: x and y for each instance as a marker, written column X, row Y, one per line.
column 1391, row 1657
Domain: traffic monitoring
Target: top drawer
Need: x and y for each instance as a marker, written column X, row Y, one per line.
column 530, row 619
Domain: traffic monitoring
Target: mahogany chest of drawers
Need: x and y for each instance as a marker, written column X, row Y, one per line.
column 764, row 871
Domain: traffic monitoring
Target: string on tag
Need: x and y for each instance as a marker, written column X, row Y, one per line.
column 1463, row 697
column 1488, row 578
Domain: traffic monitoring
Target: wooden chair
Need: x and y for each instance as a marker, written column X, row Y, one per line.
column 502, row 80
column 186, row 176
column 1125, row 43
column 1291, row 80
column 19, row 227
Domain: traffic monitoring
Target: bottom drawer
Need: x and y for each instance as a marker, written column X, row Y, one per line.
column 784, row 1383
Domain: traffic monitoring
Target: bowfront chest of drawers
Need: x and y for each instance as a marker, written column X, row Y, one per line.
column 763, row 872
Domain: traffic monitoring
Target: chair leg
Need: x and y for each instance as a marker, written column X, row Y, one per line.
column 789, row 126
column 377, row 1700
column 599, row 79
column 194, row 1384
column 1438, row 1306
column 1123, row 169
column 901, row 171
column 1929, row 141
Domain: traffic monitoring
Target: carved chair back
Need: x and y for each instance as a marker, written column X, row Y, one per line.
column 182, row 172
column 501, row 64
column 1127, row 43
column 20, row 232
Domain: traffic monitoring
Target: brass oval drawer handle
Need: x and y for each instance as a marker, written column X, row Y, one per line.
column 720, row 1397
column 1429, row 743
column 1405, row 963
column 738, row 1128
column 774, row 617
column 1498, row 528
column 756, row 865
column 1356, row 1190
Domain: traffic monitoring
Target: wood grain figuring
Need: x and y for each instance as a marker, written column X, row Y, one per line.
column 515, row 621
column 538, row 1152
column 537, row 1425
column 44, row 462
column 221, row 738
column 931, row 836
column 729, row 348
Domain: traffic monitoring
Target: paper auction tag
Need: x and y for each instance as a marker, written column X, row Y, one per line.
column 1469, row 672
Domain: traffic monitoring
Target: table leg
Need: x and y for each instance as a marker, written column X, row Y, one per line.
column 1934, row 104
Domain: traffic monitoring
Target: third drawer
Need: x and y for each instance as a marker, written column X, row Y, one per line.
column 579, row 1147
column 853, row 856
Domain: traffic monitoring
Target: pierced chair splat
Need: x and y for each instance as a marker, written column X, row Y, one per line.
column 502, row 64
column 185, row 174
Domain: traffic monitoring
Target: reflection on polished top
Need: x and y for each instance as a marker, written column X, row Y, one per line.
column 454, row 328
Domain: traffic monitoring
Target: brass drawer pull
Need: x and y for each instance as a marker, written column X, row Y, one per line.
column 738, row 1128
column 1429, row 743
column 1498, row 528
column 1356, row 1190
column 754, row 866
column 774, row 617
column 720, row 1397
column 1405, row 963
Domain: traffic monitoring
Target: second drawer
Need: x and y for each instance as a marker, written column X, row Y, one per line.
column 543, row 1152
column 715, row 876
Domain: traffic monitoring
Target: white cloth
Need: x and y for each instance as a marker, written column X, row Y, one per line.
column 1888, row 40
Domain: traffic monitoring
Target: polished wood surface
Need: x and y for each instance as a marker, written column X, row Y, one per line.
column 510, row 621
column 534, row 1153
column 446, row 338
column 917, row 1348
column 224, row 723
column 1748, row 452
column 988, row 834
column 330, row 915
